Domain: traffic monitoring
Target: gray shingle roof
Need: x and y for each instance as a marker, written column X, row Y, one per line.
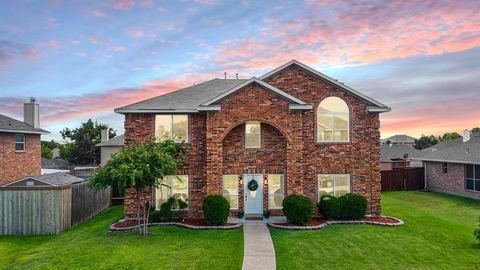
column 190, row 99
column 400, row 139
column 113, row 142
column 54, row 179
column 457, row 152
column 8, row 124
column 389, row 152
column 184, row 100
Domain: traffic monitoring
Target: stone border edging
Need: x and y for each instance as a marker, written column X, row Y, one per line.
column 320, row 226
column 178, row 224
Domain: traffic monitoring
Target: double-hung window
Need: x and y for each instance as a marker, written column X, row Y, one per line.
column 276, row 190
column 333, row 184
column 174, row 127
column 472, row 177
column 19, row 142
column 230, row 189
column 172, row 186
column 253, row 136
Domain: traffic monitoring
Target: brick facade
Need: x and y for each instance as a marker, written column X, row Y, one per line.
column 15, row 165
column 289, row 144
column 451, row 182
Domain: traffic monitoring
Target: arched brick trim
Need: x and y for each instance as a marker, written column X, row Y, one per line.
column 259, row 120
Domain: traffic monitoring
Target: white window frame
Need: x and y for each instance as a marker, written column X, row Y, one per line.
column 238, row 189
column 24, row 143
column 474, row 178
column 170, row 190
column 268, row 194
column 334, row 183
column 333, row 114
column 171, row 127
column 259, row 134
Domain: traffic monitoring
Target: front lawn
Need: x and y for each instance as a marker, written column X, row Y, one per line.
column 91, row 246
column 438, row 234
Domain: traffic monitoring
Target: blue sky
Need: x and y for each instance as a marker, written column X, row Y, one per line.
column 82, row 59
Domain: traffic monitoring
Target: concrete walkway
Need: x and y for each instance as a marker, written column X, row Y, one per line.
column 258, row 251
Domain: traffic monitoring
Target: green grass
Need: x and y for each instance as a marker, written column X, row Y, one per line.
column 438, row 234
column 92, row 246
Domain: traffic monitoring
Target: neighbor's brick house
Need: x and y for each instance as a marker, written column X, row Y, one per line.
column 20, row 153
column 454, row 166
column 293, row 130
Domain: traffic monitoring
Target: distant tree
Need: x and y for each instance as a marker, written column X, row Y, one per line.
column 449, row 136
column 140, row 166
column 46, row 151
column 82, row 150
column 476, row 130
column 425, row 142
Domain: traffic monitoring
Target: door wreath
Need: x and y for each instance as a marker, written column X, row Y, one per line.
column 252, row 185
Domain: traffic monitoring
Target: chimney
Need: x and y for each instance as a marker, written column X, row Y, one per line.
column 104, row 135
column 31, row 113
column 466, row 135
column 236, row 75
column 225, row 75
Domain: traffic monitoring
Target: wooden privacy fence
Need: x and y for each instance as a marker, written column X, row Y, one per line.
column 87, row 203
column 403, row 179
column 48, row 209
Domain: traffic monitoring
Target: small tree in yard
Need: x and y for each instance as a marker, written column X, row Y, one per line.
column 140, row 166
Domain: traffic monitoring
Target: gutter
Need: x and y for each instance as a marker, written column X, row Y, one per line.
column 448, row 161
column 24, row 132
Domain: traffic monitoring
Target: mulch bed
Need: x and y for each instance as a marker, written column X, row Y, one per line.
column 318, row 223
column 194, row 224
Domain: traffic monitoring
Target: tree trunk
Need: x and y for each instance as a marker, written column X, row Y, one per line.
column 138, row 212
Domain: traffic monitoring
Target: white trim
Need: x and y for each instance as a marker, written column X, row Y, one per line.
column 24, row 132
column 448, row 161
column 334, row 182
column 261, row 83
column 295, row 107
column 333, row 114
column 327, row 78
column 24, row 143
column 29, row 177
column 245, row 188
column 238, row 189
column 211, row 108
column 268, row 193
column 377, row 109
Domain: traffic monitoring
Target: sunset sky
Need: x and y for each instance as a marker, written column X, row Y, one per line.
column 83, row 59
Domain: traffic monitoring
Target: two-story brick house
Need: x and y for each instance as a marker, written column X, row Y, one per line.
column 20, row 150
column 293, row 130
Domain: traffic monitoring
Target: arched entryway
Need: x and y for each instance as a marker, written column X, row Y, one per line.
column 265, row 165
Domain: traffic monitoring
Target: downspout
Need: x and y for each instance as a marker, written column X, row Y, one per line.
column 425, row 175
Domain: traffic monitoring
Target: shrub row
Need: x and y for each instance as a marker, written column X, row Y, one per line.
column 346, row 207
column 166, row 212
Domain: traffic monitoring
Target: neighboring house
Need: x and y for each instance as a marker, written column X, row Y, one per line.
column 294, row 130
column 108, row 147
column 20, row 144
column 399, row 140
column 393, row 156
column 455, row 167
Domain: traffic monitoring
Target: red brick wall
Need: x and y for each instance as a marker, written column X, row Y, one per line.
column 217, row 145
column 15, row 165
column 451, row 182
column 360, row 157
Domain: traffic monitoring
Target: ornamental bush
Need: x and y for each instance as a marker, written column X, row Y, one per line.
column 216, row 210
column 328, row 207
column 351, row 206
column 298, row 209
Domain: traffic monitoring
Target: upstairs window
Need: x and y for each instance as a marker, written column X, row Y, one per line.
column 174, row 127
column 253, row 136
column 19, row 142
column 445, row 167
column 333, row 120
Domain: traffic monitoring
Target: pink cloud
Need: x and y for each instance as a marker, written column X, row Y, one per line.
column 99, row 13
column 124, row 4
column 134, row 32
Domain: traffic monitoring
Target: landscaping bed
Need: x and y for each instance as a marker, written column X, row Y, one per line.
column 318, row 223
column 194, row 224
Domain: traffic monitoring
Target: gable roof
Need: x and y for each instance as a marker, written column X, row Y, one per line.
column 54, row 179
column 400, row 139
column 457, row 152
column 10, row 125
column 204, row 96
column 376, row 106
column 295, row 103
column 398, row 151
column 118, row 141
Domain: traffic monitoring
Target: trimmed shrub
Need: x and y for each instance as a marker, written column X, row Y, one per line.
column 328, row 206
column 351, row 206
column 298, row 209
column 216, row 210
column 166, row 212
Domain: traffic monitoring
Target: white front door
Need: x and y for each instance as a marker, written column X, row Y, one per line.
column 253, row 198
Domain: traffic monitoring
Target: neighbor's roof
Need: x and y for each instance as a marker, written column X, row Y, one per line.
column 442, row 145
column 113, row 142
column 8, row 124
column 389, row 152
column 203, row 96
column 400, row 139
column 457, row 152
column 54, row 179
